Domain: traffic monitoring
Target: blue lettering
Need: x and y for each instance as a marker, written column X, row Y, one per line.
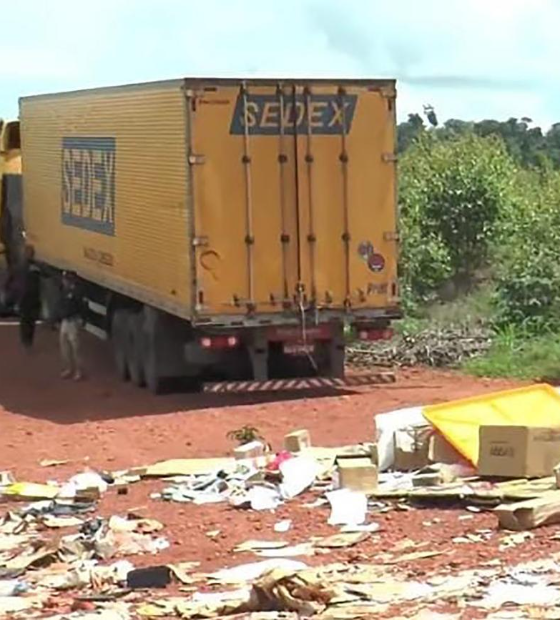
column 88, row 184
column 100, row 195
column 109, row 211
column 66, row 181
column 77, row 184
column 320, row 114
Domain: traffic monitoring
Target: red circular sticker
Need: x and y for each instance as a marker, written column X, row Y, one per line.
column 376, row 262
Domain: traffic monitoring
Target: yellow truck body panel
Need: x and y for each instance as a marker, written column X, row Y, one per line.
column 105, row 188
column 219, row 200
column 10, row 166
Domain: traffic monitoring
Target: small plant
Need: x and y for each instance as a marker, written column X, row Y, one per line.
column 245, row 434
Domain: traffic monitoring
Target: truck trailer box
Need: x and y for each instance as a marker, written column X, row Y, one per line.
column 216, row 200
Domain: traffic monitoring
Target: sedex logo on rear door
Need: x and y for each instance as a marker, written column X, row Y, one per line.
column 88, row 184
column 319, row 114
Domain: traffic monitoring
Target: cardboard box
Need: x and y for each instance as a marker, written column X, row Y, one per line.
column 297, row 441
column 249, row 450
column 411, row 447
column 518, row 451
column 441, row 451
column 356, row 473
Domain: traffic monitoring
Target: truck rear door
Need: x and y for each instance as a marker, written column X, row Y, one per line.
column 294, row 197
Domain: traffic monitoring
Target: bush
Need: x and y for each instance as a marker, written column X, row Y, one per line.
column 452, row 195
column 519, row 354
column 527, row 256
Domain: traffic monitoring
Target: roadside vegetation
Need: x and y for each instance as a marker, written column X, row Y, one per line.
column 480, row 224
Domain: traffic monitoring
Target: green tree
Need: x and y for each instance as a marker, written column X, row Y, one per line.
column 452, row 194
column 408, row 131
column 528, row 254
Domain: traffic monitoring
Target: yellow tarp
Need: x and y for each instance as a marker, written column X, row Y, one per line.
column 459, row 421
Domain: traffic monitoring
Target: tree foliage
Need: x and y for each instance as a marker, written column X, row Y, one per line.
column 452, row 194
column 527, row 144
column 483, row 197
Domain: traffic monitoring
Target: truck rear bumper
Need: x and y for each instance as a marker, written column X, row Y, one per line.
column 300, row 383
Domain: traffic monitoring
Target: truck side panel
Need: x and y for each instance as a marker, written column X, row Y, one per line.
column 105, row 186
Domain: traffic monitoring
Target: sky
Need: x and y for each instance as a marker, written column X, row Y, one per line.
column 469, row 59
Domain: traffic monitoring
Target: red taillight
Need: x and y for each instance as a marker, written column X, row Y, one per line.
column 219, row 342
column 375, row 334
column 232, row 341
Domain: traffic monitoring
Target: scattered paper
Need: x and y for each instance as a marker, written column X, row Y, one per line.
column 298, row 474
column 263, row 498
column 338, row 541
column 347, row 507
column 257, row 545
column 58, row 522
column 250, row 572
column 287, row 552
column 283, row 526
column 52, row 463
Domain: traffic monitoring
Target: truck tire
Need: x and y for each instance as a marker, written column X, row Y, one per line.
column 151, row 333
column 337, row 357
column 119, row 337
column 154, row 381
column 135, row 348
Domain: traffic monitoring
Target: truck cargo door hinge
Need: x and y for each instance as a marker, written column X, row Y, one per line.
column 200, row 242
column 196, row 160
column 389, row 157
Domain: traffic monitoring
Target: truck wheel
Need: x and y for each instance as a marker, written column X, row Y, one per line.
column 150, row 332
column 118, row 337
column 331, row 357
column 154, row 381
column 134, row 348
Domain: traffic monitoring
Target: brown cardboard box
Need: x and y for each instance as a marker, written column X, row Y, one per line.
column 249, row 450
column 356, row 473
column 518, row 451
column 411, row 447
column 441, row 451
column 297, row 441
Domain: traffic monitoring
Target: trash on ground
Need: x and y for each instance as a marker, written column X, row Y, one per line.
column 52, row 462
column 298, row 474
column 356, row 473
column 347, row 507
column 249, row 572
column 283, row 526
column 342, row 540
column 460, row 421
column 530, row 513
column 297, row 441
column 149, row 577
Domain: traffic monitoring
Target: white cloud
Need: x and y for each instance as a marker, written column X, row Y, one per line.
column 468, row 58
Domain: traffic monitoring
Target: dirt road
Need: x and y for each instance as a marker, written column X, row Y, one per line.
column 101, row 423
column 118, row 425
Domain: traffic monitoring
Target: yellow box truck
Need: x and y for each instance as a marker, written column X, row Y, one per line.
column 220, row 227
column 11, row 224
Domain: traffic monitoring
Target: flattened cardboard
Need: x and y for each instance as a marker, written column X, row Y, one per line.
column 518, row 451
